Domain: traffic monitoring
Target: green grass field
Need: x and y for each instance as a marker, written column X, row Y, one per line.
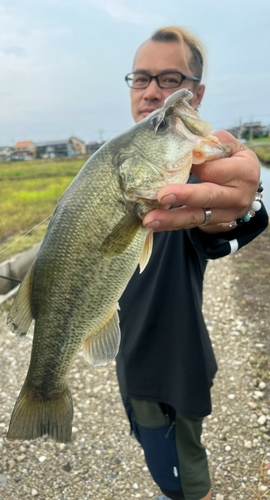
column 29, row 192
column 261, row 147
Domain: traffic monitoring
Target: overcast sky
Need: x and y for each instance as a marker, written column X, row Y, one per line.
column 63, row 62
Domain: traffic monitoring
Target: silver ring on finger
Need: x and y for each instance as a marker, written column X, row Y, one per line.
column 207, row 216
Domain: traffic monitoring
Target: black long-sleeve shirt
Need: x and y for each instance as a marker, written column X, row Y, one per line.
column 165, row 352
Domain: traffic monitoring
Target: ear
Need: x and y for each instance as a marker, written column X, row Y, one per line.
column 198, row 93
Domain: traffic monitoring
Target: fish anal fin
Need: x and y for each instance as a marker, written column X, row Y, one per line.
column 20, row 315
column 121, row 236
column 146, row 252
column 33, row 416
column 102, row 346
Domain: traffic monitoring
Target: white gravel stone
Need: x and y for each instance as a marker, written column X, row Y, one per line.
column 3, row 480
column 258, row 394
column 263, row 488
column 261, row 420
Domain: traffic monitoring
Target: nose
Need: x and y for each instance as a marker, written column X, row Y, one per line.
column 153, row 92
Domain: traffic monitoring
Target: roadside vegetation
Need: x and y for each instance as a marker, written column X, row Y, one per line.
column 29, row 192
column 261, row 147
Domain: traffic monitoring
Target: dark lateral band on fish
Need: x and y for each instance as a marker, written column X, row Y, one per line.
column 94, row 243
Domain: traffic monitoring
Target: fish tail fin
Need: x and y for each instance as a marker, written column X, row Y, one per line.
column 32, row 416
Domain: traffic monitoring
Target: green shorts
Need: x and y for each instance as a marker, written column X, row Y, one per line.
column 173, row 450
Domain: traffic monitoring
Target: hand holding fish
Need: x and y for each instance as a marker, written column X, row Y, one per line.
column 228, row 188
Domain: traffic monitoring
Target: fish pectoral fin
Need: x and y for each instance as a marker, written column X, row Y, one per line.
column 146, row 252
column 20, row 315
column 102, row 347
column 121, row 236
column 33, row 416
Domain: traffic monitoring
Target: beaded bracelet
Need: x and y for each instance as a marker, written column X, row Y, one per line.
column 255, row 207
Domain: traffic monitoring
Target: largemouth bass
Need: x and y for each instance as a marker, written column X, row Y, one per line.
column 92, row 246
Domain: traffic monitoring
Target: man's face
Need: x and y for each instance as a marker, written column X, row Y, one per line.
column 154, row 58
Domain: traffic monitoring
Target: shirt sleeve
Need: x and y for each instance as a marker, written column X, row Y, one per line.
column 214, row 246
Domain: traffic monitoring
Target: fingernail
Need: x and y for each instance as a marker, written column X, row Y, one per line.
column 152, row 224
column 168, row 199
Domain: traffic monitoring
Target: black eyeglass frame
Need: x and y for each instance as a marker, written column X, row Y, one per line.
column 156, row 77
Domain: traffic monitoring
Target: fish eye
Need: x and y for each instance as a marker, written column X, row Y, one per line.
column 157, row 123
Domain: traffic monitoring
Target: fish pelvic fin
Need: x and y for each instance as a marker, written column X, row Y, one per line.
column 32, row 416
column 121, row 236
column 102, row 346
column 20, row 315
column 147, row 252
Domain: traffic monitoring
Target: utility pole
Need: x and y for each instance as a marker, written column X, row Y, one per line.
column 251, row 129
column 101, row 135
column 251, row 132
column 240, row 128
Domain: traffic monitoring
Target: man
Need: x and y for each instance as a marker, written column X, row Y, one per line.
column 166, row 364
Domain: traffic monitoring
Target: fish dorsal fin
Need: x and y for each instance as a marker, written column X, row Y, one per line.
column 121, row 236
column 146, row 252
column 20, row 315
column 102, row 347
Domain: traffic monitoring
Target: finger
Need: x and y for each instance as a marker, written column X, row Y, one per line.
column 185, row 218
column 205, row 195
column 243, row 167
column 242, row 164
column 230, row 141
column 176, row 218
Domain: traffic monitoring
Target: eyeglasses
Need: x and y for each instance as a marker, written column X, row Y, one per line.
column 165, row 80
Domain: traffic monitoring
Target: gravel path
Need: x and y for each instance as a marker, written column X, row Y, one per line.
column 103, row 462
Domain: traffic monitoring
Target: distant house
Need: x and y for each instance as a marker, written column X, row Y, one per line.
column 248, row 130
column 57, row 149
column 5, row 153
column 255, row 126
column 235, row 131
column 78, row 146
column 92, row 147
column 266, row 131
column 24, row 150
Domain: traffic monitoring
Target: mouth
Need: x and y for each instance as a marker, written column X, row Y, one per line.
column 147, row 110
